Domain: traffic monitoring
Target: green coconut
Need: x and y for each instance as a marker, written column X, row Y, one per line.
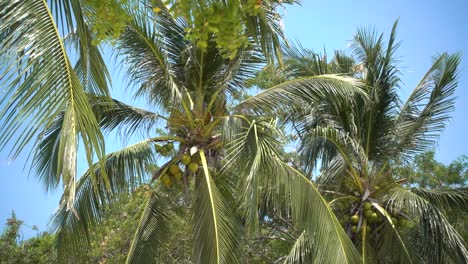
column 193, row 167
column 186, row 159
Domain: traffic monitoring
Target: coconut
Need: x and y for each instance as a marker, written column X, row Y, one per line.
column 405, row 223
column 166, row 180
column 186, row 159
column 373, row 218
column 368, row 213
column 174, row 169
column 170, row 146
column 367, row 206
column 178, row 176
column 193, row 167
column 158, row 148
column 368, row 229
column 354, row 219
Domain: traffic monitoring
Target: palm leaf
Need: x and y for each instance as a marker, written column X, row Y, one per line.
column 418, row 125
column 40, row 82
column 113, row 114
column 436, row 238
column 286, row 189
column 73, row 227
column 90, row 66
column 148, row 243
column 450, row 201
column 330, row 244
column 110, row 113
column 391, row 244
column 215, row 230
column 310, row 90
column 146, row 60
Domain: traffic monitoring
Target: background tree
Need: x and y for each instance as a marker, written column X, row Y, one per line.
column 356, row 143
column 426, row 172
column 14, row 250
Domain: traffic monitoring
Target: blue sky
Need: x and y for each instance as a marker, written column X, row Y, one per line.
column 426, row 27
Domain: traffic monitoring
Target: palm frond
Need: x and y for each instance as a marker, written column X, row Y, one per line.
column 143, row 55
column 391, row 244
column 215, row 228
column 73, row 227
column 316, row 145
column 113, row 114
column 329, row 243
column 451, row 201
column 39, row 83
column 266, row 28
column 149, row 241
column 392, row 247
column 267, row 176
column 110, row 114
column 303, row 91
column 380, row 74
column 303, row 62
column 250, row 144
column 426, row 112
column 436, row 238
column 90, row 66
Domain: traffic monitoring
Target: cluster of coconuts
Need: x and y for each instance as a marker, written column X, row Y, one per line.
column 374, row 218
column 371, row 216
column 399, row 220
column 174, row 173
column 165, row 150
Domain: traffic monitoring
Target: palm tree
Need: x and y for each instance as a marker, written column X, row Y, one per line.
column 356, row 142
column 225, row 162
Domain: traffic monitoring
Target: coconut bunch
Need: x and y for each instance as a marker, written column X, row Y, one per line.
column 174, row 171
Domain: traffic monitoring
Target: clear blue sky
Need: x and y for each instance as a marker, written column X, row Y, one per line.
column 426, row 27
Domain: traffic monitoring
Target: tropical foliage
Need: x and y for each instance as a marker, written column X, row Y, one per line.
column 357, row 144
column 426, row 172
column 226, row 163
column 217, row 164
column 14, row 250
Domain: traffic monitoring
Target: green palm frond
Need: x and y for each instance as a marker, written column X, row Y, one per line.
column 92, row 70
column 451, row 201
column 342, row 144
column 393, row 247
column 215, row 229
column 90, row 66
column 343, row 63
column 252, row 150
column 250, row 144
column 329, row 242
column 73, row 227
column 113, row 114
column 426, row 112
column 303, row 91
column 435, row 238
column 332, row 172
column 40, row 80
column 110, row 113
column 391, row 243
column 149, row 241
column 143, row 55
column 380, row 74
column 303, row 62
column 266, row 29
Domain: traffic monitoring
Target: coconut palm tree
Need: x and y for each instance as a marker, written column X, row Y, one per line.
column 225, row 162
column 355, row 143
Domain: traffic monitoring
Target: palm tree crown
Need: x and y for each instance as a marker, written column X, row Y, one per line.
column 225, row 162
column 357, row 142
